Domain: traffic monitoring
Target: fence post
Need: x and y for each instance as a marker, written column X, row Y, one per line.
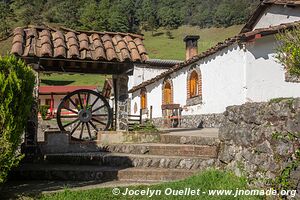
column 141, row 113
column 113, row 118
column 151, row 108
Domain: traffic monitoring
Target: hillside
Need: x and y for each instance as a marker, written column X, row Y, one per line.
column 158, row 46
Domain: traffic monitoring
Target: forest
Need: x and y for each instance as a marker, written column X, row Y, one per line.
column 124, row 15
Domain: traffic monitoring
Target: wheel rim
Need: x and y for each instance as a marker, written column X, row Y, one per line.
column 84, row 113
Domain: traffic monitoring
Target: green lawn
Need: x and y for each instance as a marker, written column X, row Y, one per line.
column 158, row 46
column 73, row 79
column 208, row 180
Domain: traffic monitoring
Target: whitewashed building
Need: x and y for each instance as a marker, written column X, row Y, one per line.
column 241, row 69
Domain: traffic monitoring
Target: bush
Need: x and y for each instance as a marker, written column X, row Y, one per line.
column 43, row 109
column 148, row 126
column 288, row 51
column 16, row 87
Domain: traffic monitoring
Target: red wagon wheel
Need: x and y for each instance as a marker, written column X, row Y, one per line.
column 83, row 113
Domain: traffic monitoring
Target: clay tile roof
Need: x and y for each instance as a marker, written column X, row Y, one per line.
column 243, row 37
column 33, row 41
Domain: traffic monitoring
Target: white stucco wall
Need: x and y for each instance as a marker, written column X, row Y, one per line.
column 265, row 77
column 154, row 99
column 143, row 73
column 278, row 14
column 223, row 81
column 223, row 84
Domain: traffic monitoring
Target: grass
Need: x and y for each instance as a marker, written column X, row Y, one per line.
column 210, row 179
column 73, row 79
column 158, row 46
column 280, row 99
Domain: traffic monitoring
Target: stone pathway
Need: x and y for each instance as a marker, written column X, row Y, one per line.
column 179, row 154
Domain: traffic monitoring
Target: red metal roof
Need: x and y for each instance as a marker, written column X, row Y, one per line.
column 63, row 89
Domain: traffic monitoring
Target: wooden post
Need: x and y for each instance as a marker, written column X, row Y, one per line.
column 51, row 105
column 30, row 142
column 141, row 116
column 151, row 109
column 113, row 119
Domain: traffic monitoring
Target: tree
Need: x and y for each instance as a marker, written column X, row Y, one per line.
column 5, row 18
column 288, row 50
column 169, row 18
column 16, row 83
column 148, row 16
column 68, row 13
column 91, row 18
column 117, row 20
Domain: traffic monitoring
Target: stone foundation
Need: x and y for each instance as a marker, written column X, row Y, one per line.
column 195, row 121
column 259, row 140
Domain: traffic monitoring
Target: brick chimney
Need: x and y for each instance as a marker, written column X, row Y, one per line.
column 191, row 46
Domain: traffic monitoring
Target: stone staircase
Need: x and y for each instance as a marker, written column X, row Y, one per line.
column 176, row 156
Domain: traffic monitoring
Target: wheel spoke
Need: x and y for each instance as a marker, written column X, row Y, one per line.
column 81, row 131
column 94, row 102
column 98, row 108
column 68, row 116
column 93, row 125
column 87, row 100
column 74, row 104
column 71, row 110
column 100, row 115
column 80, row 101
column 75, row 128
column 72, row 122
column 100, row 122
column 89, row 131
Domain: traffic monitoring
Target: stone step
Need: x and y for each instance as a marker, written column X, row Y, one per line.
column 130, row 160
column 42, row 171
column 206, row 136
column 154, row 174
column 163, row 149
column 66, row 172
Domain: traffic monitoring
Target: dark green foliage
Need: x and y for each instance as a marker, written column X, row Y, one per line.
column 288, row 50
column 16, row 86
column 124, row 15
column 43, row 110
column 148, row 126
column 5, row 18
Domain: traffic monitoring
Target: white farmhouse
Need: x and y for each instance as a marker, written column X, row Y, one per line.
column 241, row 69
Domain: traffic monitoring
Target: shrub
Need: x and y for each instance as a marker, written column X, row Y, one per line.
column 16, row 87
column 43, row 109
column 148, row 126
column 288, row 50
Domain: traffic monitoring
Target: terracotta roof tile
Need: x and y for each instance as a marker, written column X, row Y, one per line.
column 243, row 37
column 66, row 43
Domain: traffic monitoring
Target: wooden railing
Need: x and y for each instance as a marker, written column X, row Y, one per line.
column 132, row 119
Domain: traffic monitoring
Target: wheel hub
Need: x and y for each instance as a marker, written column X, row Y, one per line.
column 85, row 115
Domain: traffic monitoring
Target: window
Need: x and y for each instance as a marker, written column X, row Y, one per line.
column 48, row 102
column 167, row 92
column 194, row 85
column 143, row 99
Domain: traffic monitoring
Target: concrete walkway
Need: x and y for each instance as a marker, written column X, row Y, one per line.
column 203, row 132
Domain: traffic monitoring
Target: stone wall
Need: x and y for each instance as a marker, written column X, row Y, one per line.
column 195, row 121
column 259, row 140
